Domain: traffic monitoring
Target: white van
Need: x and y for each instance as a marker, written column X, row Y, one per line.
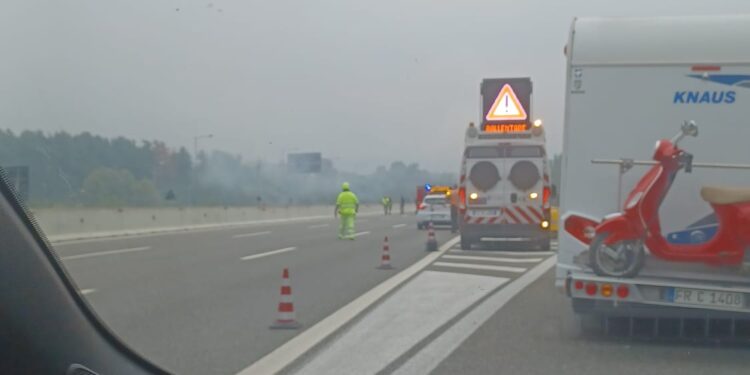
column 504, row 184
column 630, row 83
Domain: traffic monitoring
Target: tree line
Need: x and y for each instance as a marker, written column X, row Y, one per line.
column 90, row 170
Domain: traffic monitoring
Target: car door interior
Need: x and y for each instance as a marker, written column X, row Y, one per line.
column 46, row 326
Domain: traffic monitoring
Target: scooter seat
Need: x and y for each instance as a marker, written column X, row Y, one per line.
column 725, row 195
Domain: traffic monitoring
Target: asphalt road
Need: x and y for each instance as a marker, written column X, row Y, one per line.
column 495, row 311
column 190, row 302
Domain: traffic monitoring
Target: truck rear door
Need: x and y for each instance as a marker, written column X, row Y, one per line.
column 524, row 183
column 485, row 190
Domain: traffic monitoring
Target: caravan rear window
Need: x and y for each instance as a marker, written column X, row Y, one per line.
column 504, row 151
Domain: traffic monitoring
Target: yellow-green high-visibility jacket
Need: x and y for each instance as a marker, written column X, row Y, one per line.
column 347, row 203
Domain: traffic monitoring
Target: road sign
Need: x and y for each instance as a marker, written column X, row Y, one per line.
column 307, row 162
column 506, row 105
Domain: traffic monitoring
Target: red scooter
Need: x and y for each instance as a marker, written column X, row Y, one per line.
column 617, row 248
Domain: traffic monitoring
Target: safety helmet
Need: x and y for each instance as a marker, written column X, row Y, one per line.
column 345, row 186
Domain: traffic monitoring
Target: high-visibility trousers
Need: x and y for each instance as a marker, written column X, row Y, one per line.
column 346, row 226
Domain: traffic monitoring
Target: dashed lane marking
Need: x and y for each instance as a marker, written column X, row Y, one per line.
column 480, row 267
column 360, row 234
column 108, row 252
column 399, row 225
column 87, row 291
column 251, row 234
column 268, row 253
column 492, row 259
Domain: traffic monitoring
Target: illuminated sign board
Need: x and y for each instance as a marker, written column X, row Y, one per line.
column 506, row 105
column 506, row 128
column 440, row 189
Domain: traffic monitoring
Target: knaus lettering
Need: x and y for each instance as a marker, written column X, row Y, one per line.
column 704, row 97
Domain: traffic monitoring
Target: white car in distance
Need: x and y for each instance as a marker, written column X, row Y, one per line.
column 435, row 209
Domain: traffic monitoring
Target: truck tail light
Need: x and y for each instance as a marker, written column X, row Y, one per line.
column 578, row 284
column 591, row 288
column 606, row 290
column 623, row 291
column 545, row 195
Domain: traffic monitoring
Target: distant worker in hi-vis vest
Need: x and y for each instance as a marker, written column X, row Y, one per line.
column 347, row 206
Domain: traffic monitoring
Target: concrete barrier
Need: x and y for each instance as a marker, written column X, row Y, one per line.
column 80, row 223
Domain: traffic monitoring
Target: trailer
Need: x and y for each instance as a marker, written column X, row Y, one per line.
column 631, row 82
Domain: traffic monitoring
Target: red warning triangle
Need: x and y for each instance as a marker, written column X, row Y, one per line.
column 506, row 107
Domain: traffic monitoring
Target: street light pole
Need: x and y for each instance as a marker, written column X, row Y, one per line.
column 195, row 155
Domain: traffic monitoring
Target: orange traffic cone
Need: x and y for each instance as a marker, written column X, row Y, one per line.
column 432, row 244
column 385, row 259
column 286, row 319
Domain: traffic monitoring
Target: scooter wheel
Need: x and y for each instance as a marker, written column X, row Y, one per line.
column 621, row 259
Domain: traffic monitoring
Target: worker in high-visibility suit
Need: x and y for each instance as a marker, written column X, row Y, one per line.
column 347, row 206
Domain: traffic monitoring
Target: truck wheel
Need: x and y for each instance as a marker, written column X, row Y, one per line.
column 465, row 242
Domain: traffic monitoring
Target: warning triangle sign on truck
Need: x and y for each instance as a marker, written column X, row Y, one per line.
column 506, row 107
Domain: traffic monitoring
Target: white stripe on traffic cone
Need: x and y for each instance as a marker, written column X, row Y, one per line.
column 385, row 259
column 286, row 318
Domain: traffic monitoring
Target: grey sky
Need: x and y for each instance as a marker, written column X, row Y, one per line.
column 366, row 83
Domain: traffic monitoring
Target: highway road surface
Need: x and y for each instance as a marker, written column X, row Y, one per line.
column 202, row 303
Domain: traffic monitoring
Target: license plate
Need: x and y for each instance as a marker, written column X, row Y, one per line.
column 485, row 212
column 699, row 297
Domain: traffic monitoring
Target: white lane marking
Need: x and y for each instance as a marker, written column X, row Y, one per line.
column 285, row 354
column 399, row 225
column 432, row 354
column 319, row 226
column 251, row 234
column 108, row 252
column 493, row 259
column 401, row 321
column 512, row 253
column 77, row 238
column 360, row 234
column 480, row 267
column 268, row 253
column 87, row 291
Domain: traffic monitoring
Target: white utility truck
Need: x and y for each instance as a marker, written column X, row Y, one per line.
column 630, row 83
column 504, row 186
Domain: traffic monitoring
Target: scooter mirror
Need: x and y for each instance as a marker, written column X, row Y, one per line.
column 689, row 128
